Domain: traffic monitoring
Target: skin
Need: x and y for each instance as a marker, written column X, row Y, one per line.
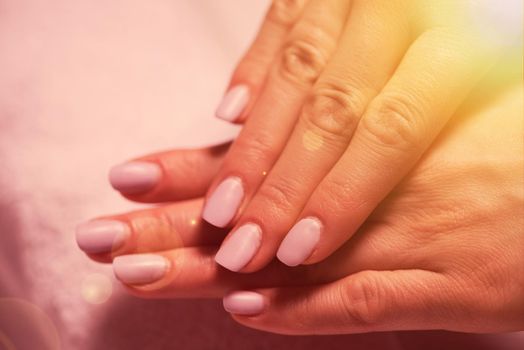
column 358, row 89
column 442, row 251
column 346, row 96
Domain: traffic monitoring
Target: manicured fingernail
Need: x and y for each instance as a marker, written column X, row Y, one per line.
column 223, row 204
column 244, row 303
column 233, row 103
column 101, row 236
column 300, row 241
column 240, row 247
column 140, row 268
column 135, row 177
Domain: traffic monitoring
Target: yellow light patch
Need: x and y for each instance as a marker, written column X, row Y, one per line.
column 96, row 288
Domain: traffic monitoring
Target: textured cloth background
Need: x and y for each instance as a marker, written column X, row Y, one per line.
column 85, row 85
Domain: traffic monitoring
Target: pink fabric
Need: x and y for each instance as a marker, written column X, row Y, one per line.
column 83, row 86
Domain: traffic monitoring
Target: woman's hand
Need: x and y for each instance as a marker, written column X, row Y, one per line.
column 354, row 95
column 341, row 99
column 451, row 237
column 444, row 250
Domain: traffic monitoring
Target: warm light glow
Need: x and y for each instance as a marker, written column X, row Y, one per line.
column 264, row 173
column 193, row 222
column 96, row 288
column 25, row 325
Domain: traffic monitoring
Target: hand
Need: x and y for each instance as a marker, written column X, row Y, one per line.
column 341, row 98
column 444, row 250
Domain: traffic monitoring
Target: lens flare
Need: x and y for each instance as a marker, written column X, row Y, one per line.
column 96, row 288
column 5, row 342
column 24, row 325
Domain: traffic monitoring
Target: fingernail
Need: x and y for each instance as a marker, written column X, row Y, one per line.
column 135, row 177
column 223, row 204
column 101, row 236
column 300, row 241
column 244, row 303
column 233, row 103
column 140, row 268
column 240, row 247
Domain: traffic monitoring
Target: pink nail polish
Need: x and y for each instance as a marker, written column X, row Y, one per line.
column 101, row 236
column 222, row 205
column 233, row 103
column 240, row 247
column 135, row 177
column 300, row 241
column 140, row 268
column 244, row 303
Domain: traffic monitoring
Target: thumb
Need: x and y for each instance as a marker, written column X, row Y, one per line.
column 368, row 301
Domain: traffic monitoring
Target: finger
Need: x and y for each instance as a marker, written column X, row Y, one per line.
column 310, row 43
column 161, row 228
column 192, row 271
column 250, row 74
column 353, row 76
column 168, row 176
column 179, row 225
column 368, row 301
column 433, row 78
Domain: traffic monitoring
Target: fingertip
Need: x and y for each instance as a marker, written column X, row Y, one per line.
column 233, row 103
column 222, row 205
column 300, row 242
column 101, row 236
column 244, row 303
column 240, row 247
column 135, row 177
column 140, row 269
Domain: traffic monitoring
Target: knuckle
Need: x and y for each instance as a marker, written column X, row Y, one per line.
column 285, row 12
column 361, row 302
column 333, row 112
column 337, row 194
column 392, row 121
column 302, row 61
column 253, row 149
column 279, row 193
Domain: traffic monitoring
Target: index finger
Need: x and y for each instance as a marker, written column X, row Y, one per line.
column 259, row 144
